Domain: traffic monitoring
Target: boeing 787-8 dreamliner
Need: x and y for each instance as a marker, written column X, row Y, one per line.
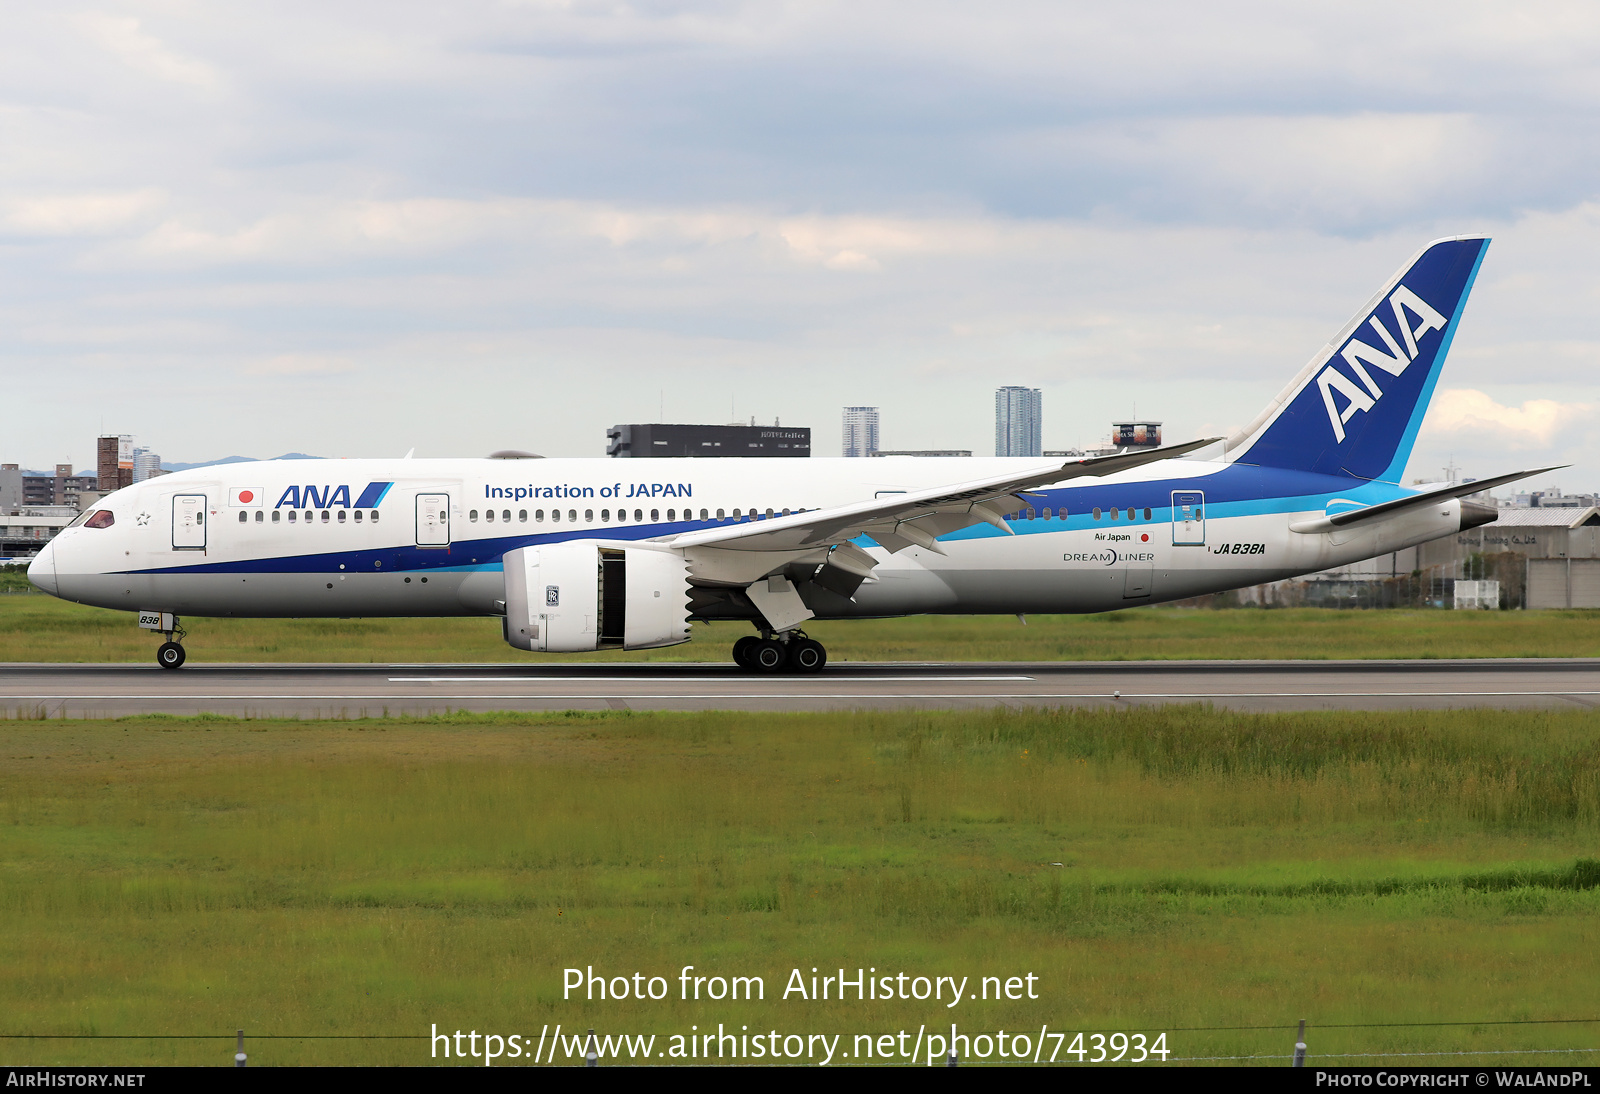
column 595, row 554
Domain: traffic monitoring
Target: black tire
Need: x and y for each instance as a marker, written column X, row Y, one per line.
column 769, row 655
column 170, row 656
column 807, row 655
column 742, row 650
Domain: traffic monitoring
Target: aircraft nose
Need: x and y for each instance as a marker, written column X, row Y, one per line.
column 42, row 570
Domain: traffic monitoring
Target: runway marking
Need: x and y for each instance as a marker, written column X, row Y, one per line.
column 630, row 679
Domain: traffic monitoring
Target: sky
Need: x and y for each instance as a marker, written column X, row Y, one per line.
column 363, row 228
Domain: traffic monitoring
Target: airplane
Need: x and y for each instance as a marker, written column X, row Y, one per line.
column 598, row 554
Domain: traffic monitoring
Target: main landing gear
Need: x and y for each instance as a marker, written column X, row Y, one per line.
column 791, row 651
column 171, row 654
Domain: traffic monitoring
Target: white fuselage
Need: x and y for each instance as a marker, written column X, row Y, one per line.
column 426, row 537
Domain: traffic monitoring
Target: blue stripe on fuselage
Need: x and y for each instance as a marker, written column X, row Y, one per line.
column 1238, row 490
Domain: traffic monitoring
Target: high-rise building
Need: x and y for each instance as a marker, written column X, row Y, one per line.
column 146, row 464
column 1018, row 421
column 860, row 430
column 114, row 461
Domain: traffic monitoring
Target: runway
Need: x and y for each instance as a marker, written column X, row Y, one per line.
column 356, row 691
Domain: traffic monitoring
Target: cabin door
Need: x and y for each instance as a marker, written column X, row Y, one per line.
column 433, row 520
column 1188, row 518
column 189, row 522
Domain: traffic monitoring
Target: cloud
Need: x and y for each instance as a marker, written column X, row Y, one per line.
column 143, row 52
column 78, row 214
column 1538, row 424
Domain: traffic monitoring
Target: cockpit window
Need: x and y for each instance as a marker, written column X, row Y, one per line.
column 100, row 519
column 80, row 518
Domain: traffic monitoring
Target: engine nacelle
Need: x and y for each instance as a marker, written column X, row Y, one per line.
column 595, row 595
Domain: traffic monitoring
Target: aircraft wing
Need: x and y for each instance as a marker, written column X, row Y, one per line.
column 918, row 517
column 1426, row 497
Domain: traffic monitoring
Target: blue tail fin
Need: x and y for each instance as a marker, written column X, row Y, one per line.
column 1356, row 408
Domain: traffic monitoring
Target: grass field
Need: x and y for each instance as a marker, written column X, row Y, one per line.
column 1156, row 869
column 41, row 628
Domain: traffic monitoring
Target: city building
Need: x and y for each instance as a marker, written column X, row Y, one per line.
column 25, row 530
column 1136, row 435
column 1018, row 421
column 662, row 441
column 925, row 452
column 860, row 430
column 114, row 461
column 146, row 465
column 19, row 486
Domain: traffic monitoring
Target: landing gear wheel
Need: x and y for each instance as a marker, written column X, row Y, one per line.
column 769, row 656
column 743, row 649
column 807, row 655
column 170, row 655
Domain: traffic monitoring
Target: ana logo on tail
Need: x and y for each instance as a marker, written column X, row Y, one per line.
column 1355, row 352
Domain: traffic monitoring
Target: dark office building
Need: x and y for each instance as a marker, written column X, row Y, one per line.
column 666, row 441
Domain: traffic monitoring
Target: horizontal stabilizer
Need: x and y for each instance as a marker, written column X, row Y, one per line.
column 1426, row 497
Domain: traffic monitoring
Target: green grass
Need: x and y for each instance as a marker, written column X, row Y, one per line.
column 367, row 877
column 41, row 628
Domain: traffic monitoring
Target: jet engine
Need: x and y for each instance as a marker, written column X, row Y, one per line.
column 595, row 595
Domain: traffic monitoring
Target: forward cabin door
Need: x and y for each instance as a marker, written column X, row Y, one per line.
column 189, row 522
column 433, row 520
column 1188, row 518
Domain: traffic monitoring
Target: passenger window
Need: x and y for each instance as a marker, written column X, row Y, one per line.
column 291, row 516
column 786, row 512
column 655, row 515
column 473, row 516
column 738, row 515
column 769, row 514
column 199, row 518
column 572, row 515
column 721, row 515
column 275, row 516
column 505, row 515
column 244, row 515
column 703, row 515
column 638, row 516
column 488, row 516
column 588, row 515
column 538, row 516
column 374, row 516
column 1097, row 512
column 325, row 517
column 1147, row 513
column 522, row 516
column 605, row 515
column 357, row 515
column 672, row 514
column 555, row 515
column 1130, row 514
column 341, row 516
column 1031, row 513
column 1114, row 513
column 1045, row 512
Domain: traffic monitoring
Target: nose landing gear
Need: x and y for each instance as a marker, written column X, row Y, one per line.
column 171, row 654
column 789, row 652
